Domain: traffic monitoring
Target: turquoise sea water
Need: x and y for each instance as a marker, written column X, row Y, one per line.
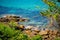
column 25, row 4
column 26, row 8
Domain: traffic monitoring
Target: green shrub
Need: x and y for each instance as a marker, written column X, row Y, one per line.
column 0, row 39
column 22, row 37
column 57, row 38
column 13, row 24
column 36, row 37
column 6, row 32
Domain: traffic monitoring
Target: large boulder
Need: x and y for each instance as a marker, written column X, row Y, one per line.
column 43, row 32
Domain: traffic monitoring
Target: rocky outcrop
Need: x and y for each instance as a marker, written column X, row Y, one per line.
column 46, row 34
column 12, row 18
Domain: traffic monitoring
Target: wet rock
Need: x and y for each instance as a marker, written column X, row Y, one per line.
column 12, row 18
column 16, row 17
column 4, row 20
column 24, row 20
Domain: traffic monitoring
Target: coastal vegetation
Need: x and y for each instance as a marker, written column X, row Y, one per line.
column 12, row 30
column 8, row 33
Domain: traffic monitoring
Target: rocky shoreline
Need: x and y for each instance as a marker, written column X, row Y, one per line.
column 45, row 33
column 31, row 31
column 13, row 18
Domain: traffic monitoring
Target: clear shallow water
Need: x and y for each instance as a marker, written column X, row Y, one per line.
column 34, row 16
column 25, row 8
